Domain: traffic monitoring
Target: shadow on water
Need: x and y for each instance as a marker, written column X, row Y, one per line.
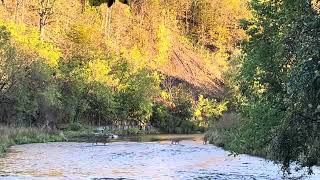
column 155, row 138
column 146, row 138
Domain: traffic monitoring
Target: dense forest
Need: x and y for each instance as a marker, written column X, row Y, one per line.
column 247, row 72
column 66, row 62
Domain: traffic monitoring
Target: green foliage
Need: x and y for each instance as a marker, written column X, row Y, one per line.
column 277, row 82
column 220, row 138
column 27, row 86
column 132, row 131
column 161, row 117
column 99, row 67
column 178, row 112
column 178, row 117
column 10, row 63
column 102, row 68
column 76, row 126
column 224, row 131
column 207, row 111
column 20, row 135
column 135, row 93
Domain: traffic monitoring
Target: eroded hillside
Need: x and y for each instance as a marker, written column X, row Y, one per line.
column 188, row 40
column 69, row 61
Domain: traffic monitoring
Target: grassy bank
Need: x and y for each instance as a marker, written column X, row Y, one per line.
column 10, row 136
column 225, row 134
column 220, row 134
column 74, row 131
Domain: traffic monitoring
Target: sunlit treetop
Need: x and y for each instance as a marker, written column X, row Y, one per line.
column 27, row 40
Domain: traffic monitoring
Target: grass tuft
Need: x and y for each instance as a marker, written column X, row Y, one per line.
column 10, row 136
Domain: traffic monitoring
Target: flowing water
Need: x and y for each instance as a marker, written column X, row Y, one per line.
column 150, row 158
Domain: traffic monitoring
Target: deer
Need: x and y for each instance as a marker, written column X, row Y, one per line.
column 175, row 141
column 205, row 140
column 100, row 136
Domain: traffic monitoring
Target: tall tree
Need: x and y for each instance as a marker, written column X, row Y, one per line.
column 45, row 11
column 279, row 82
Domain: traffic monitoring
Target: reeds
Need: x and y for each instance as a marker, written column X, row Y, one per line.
column 10, row 136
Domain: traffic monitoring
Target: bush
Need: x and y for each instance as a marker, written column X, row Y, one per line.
column 171, row 120
column 223, row 131
column 21, row 135
column 133, row 131
column 208, row 111
column 177, row 117
column 75, row 126
column 150, row 131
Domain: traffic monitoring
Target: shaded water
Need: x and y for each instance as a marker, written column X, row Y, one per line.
column 134, row 160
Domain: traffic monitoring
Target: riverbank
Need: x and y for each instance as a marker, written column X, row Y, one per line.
column 225, row 134
column 144, row 160
column 10, row 136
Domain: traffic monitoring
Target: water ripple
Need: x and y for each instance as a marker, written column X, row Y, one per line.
column 133, row 160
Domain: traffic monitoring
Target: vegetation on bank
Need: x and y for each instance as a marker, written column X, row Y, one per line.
column 275, row 85
column 10, row 136
column 220, row 133
column 92, row 66
column 164, row 64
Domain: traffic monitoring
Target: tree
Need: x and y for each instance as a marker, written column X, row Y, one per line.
column 278, row 80
column 45, row 11
column 27, row 87
column 11, row 66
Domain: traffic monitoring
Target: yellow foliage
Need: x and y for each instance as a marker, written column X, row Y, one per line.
column 146, row 33
column 99, row 71
column 28, row 41
column 197, row 113
column 163, row 35
column 137, row 59
column 164, row 95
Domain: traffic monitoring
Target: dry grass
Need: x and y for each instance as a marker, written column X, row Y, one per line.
column 188, row 65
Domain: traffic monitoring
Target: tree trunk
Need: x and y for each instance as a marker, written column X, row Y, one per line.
column 108, row 22
column 42, row 27
column 83, row 5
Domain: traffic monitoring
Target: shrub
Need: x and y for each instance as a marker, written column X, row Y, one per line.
column 133, row 131
column 75, row 126
column 222, row 133
column 21, row 135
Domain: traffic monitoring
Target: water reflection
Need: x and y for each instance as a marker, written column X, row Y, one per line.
column 153, row 157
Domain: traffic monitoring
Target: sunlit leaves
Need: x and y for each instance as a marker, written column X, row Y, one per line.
column 207, row 111
column 276, row 79
column 99, row 71
column 164, row 45
column 27, row 39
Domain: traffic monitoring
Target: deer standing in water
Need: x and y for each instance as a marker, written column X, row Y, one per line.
column 100, row 136
column 175, row 141
column 205, row 140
